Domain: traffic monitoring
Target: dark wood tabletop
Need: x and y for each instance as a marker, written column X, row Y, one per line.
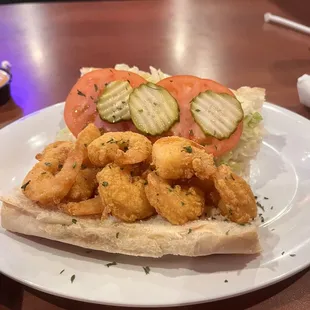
column 223, row 40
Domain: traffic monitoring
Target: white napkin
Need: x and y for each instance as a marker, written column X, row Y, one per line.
column 303, row 87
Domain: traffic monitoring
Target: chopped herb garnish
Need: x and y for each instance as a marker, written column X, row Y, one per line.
column 111, row 264
column 188, row 149
column 147, row 269
column 266, row 198
column 182, row 203
column 255, row 197
column 189, row 231
column 47, row 164
column 170, row 189
column 197, row 110
column 61, row 271
column 154, row 103
column 271, row 208
column 260, row 205
column 191, row 132
column 117, row 234
column 145, row 182
column 72, row 278
column 227, row 232
column 292, row 255
column 140, row 110
column 80, row 93
column 74, row 221
column 272, row 229
column 262, row 219
column 74, row 165
column 96, row 87
column 111, row 141
column 43, row 172
column 25, row 185
column 232, row 177
column 60, row 166
column 83, row 167
column 242, row 224
column 105, row 184
column 282, row 253
column 91, row 97
column 226, row 281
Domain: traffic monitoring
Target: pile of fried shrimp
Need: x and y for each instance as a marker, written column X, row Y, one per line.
column 122, row 174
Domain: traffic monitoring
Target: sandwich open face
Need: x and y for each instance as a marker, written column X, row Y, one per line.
column 150, row 165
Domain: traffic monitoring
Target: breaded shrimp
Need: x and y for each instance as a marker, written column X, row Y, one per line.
column 123, row 195
column 85, row 138
column 84, row 185
column 91, row 206
column 122, row 148
column 49, row 181
column 178, row 204
column 237, row 201
column 177, row 158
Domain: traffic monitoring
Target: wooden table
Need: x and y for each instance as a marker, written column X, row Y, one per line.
column 223, row 40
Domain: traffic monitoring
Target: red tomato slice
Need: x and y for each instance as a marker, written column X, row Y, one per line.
column 80, row 107
column 186, row 87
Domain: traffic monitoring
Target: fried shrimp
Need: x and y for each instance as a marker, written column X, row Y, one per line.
column 178, row 204
column 85, row 138
column 122, row 194
column 237, row 201
column 122, row 148
column 84, row 185
column 56, row 151
column 178, row 158
column 91, row 206
column 50, row 180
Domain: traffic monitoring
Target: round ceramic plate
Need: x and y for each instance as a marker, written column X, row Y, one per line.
column 280, row 173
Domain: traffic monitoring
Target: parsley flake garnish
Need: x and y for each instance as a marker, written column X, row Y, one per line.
column 111, row 264
column 147, row 269
column 140, row 110
column 96, row 87
column 189, row 231
column 188, row 149
column 226, row 281
column 117, row 234
column 232, row 177
column 61, row 271
column 25, row 185
column 145, row 182
column 182, row 203
column 72, row 278
column 43, row 172
column 105, row 184
column 266, row 198
column 260, row 205
column 197, row 110
column 227, row 232
column 292, row 255
column 47, row 164
column 80, row 93
column 74, row 165
column 282, row 253
column 74, row 221
column 191, row 132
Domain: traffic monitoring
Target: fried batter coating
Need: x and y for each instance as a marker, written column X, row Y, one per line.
column 122, row 148
column 237, row 201
column 49, row 181
column 178, row 158
column 91, row 206
column 57, row 151
column 123, row 195
column 85, row 138
column 177, row 204
column 84, row 185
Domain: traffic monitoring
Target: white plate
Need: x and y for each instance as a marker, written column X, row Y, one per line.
column 281, row 173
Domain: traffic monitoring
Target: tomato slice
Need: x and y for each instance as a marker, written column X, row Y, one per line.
column 186, row 87
column 80, row 107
